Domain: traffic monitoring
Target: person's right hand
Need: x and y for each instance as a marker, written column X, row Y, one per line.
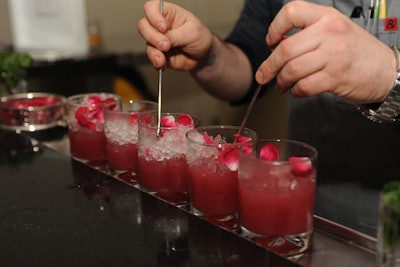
column 175, row 39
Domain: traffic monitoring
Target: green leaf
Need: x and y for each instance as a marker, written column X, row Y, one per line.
column 13, row 68
column 390, row 214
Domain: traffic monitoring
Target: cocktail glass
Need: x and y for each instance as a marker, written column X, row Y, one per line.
column 212, row 158
column 162, row 161
column 121, row 130
column 277, row 181
column 388, row 245
column 86, row 126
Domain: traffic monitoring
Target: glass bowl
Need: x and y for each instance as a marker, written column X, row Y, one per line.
column 32, row 111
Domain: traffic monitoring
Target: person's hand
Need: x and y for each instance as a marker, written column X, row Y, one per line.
column 175, row 39
column 329, row 53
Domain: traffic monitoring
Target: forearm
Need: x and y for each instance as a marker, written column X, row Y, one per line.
column 225, row 73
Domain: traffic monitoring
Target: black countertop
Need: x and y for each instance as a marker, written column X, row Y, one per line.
column 55, row 211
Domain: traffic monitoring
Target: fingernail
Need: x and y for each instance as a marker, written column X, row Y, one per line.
column 162, row 45
column 260, row 77
column 161, row 26
column 156, row 61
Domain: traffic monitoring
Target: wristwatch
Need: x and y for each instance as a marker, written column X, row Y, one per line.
column 389, row 109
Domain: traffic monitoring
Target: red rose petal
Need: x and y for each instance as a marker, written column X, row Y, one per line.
column 83, row 120
column 241, row 139
column 89, row 116
column 269, row 152
column 168, row 121
column 247, row 149
column 207, row 139
column 302, row 168
column 110, row 103
column 230, row 157
column 185, row 120
column 133, row 118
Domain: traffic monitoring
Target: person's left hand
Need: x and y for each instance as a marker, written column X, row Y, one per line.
column 329, row 53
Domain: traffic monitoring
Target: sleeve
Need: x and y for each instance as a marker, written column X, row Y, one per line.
column 249, row 34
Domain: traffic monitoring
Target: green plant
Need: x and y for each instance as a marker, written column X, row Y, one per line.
column 390, row 216
column 12, row 69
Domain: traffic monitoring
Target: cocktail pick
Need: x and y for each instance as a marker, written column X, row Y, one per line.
column 160, row 72
column 249, row 108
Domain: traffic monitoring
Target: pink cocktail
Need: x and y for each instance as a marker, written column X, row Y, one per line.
column 162, row 162
column 277, row 180
column 212, row 159
column 121, row 131
column 86, row 126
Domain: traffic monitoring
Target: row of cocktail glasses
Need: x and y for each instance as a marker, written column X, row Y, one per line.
column 262, row 189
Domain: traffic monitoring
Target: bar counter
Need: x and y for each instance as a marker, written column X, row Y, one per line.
column 56, row 211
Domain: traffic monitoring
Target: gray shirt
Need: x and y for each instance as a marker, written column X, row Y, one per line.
column 352, row 150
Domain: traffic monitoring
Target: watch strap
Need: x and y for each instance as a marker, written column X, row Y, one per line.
column 389, row 109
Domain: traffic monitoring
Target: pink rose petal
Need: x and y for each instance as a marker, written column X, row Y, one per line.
column 89, row 116
column 133, row 118
column 83, row 121
column 302, row 168
column 247, row 149
column 168, row 121
column 230, row 157
column 269, row 152
column 241, row 139
column 207, row 139
column 185, row 120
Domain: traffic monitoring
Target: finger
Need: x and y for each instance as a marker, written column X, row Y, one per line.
column 299, row 68
column 156, row 57
column 290, row 48
column 314, row 84
column 153, row 36
column 153, row 14
column 183, row 35
column 295, row 14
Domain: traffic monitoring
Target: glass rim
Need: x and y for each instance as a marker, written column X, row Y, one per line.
column 3, row 100
column 70, row 100
column 122, row 111
column 313, row 150
column 196, row 120
column 222, row 126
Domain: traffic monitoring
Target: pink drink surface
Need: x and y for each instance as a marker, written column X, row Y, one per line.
column 276, row 211
column 213, row 192
column 166, row 176
column 87, row 144
column 122, row 157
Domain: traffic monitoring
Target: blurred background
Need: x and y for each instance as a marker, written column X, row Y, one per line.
column 116, row 61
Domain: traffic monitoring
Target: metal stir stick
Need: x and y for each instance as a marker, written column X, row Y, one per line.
column 249, row 108
column 160, row 71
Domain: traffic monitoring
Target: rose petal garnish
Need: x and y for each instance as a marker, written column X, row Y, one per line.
column 241, row 139
column 247, row 149
column 230, row 157
column 168, row 121
column 34, row 102
column 83, row 121
column 269, row 152
column 87, row 116
column 133, row 118
column 207, row 139
column 185, row 119
column 147, row 119
column 109, row 103
column 303, row 167
column 94, row 100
